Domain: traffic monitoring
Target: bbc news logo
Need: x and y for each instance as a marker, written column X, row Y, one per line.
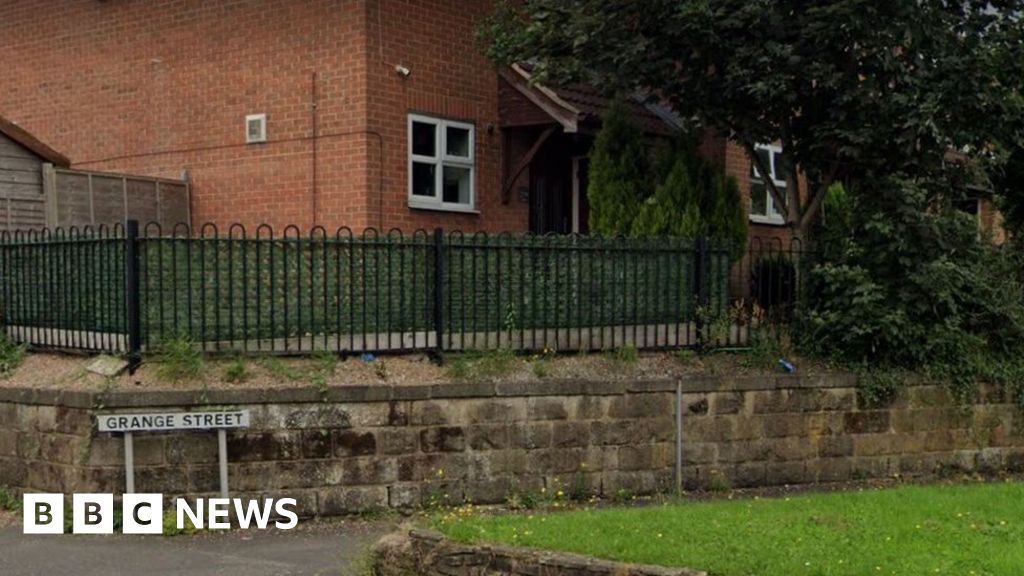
column 144, row 513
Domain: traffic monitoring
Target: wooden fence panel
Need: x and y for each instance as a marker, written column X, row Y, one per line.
column 79, row 198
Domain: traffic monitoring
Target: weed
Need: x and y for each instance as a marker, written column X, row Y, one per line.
column 481, row 365
column 623, row 495
column 236, row 371
column 766, row 348
column 278, row 369
column 718, row 482
column 11, row 355
column 877, row 388
column 8, row 500
column 624, row 357
column 685, row 356
column 541, row 368
column 171, row 525
column 178, row 360
column 380, row 368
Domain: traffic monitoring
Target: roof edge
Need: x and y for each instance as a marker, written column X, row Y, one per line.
column 35, row 145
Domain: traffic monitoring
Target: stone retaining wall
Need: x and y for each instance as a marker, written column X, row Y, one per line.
column 424, row 553
column 359, row 448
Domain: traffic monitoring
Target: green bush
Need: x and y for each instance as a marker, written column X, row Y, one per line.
column 905, row 280
column 11, row 355
column 619, row 173
column 694, row 198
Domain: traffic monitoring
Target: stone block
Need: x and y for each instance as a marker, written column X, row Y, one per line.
column 73, row 421
column 398, row 441
column 404, row 496
column 443, row 439
column 321, row 416
column 872, row 467
column 741, row 451
column 63, row 448
column 590, row 408
column 530, row 435
column 727, row 402
column 149, row 449
column 488, row 437
column 783, row 424
column 866, row 422
column 636, row 457
column 792, row 448
column 492, row 491
column 316, row 444
column 264, row 446
column 700, row 453
column 350, row 443
column 551, row 408
column 709, row 428
column 611, row 433
column 340, row 501
column 161, row 479
column 746, row 475
column 492, row 411
column 570, row 434
column 835, row 446
column 829, row 469
column 8, row 443
column 554, row 460
column 190, row 449
column 436, row 466
column 641, row 405
column 369, row 470
column 781, row 473
column 13, row 472
column 638, row 483
column 428, row 414
column 106, row 451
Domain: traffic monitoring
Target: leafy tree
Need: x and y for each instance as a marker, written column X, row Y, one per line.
column 906, row 281
column 619, row 179
column 694, row 199
column 852, row 89
column 1009, row 187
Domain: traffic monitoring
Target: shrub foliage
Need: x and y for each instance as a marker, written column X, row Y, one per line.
column 907, row 281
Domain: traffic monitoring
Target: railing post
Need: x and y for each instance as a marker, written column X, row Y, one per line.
column 700, row 285
column 439, row 293
column 132, row 305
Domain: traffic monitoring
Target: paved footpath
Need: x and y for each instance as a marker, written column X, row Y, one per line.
column 312, row 549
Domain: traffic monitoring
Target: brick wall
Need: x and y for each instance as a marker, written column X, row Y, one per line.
column 400, row 446
column 160, row 88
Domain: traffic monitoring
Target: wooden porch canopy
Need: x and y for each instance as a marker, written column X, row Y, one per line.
column 578, row 109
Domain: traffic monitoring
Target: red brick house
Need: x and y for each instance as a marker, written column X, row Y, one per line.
column 333, row 112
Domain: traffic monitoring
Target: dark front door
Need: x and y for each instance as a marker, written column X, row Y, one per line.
column 551, row 189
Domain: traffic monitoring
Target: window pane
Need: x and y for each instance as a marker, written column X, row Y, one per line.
column 457, row 140
column 781, row 168
column 424, row 142
column 758, row 199
column 766, row 159
column 457, row 184
column 423, row 179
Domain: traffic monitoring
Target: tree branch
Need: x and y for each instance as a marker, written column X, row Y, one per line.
column 814, row 202
column 765, row 172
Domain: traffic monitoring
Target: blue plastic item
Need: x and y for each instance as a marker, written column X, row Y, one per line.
column 786, row 366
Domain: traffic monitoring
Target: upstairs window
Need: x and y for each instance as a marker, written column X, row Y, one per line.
column 441, row 164
column 762, row 205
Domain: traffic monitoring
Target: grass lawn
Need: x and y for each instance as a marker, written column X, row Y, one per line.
column 965, row 529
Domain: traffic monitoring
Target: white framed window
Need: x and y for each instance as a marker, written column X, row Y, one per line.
column 441, row 164
column 762, row 206
column 255, row 128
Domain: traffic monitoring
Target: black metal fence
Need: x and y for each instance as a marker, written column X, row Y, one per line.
column 123, row 289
